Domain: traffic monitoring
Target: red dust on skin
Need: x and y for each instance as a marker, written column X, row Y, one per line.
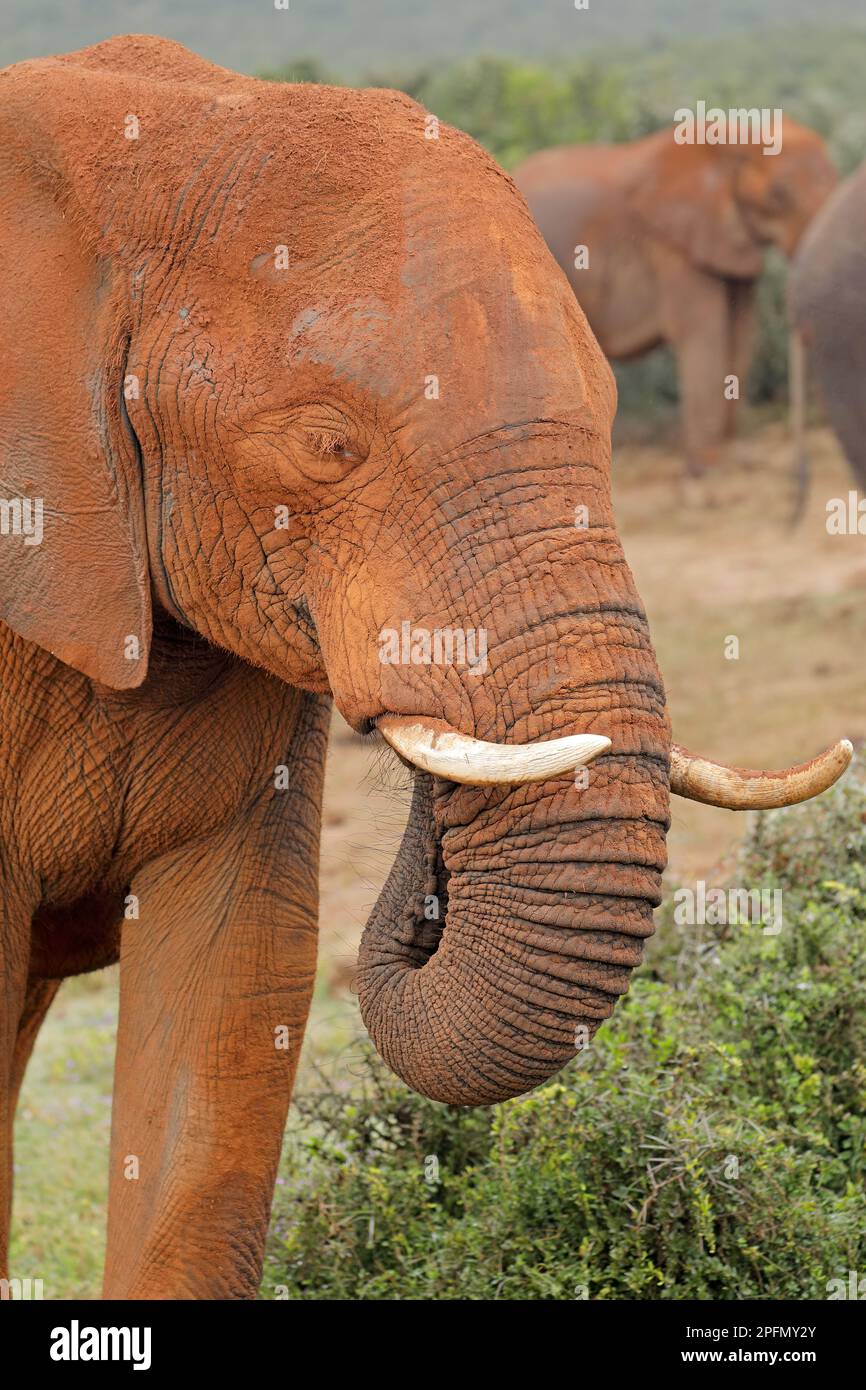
column 414, row 389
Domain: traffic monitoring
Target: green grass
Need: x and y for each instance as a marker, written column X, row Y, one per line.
column 61, row 1142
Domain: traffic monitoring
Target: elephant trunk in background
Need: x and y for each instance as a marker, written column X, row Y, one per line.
column 797, row 405
column 827, row 303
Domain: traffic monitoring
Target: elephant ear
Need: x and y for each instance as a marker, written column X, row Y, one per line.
column 73, row 553
column 689, row 200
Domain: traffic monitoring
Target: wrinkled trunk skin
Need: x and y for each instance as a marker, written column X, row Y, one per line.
column 545, row 892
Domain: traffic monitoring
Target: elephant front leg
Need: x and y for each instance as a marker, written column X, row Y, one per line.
column 703, row 407
column 16, row 1037
column 695, row 321
column 216, row 978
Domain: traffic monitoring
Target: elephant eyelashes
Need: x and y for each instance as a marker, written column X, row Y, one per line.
column 320, row 448
column 327, row 454
column 333, row 446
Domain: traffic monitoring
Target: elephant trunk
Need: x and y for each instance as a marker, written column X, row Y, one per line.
column 513, row 917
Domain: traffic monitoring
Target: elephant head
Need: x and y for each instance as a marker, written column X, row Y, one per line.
column 724, row 204
column 293, row 366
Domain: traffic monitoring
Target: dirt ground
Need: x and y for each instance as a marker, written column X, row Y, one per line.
column 794, row 599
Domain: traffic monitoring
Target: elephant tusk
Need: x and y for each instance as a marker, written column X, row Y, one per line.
column 739, row 789
column 436, row 747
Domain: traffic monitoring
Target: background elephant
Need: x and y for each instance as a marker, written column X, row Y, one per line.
column 226, row 306
column 827, row 296
column 675, row 237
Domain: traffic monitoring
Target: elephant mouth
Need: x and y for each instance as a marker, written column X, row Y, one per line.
column 415, row 895
column 305, row 623
column 430, row 909
column 418, row 874
column 428, row 899
column 418, row 885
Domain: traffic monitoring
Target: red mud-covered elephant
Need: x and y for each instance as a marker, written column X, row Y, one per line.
column 279, row 375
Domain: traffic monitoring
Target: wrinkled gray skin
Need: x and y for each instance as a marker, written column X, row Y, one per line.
column 827, row 292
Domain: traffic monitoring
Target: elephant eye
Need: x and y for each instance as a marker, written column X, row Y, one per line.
column 778, row 197
column 330, row 444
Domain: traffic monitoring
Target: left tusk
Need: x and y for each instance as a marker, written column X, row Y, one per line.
column 436, row 747
column 738, row 789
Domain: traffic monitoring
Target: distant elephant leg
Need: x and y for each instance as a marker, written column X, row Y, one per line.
column 742, row 345
column 695, row 320
column 839, row 362
column 700, row 354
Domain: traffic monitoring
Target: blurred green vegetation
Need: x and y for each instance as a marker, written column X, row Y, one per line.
column 710, row 1144
column 514, row 108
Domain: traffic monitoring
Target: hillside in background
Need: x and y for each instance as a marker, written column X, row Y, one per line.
column 352, row 35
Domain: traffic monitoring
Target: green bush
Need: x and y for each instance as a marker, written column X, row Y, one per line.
column 709, row 1144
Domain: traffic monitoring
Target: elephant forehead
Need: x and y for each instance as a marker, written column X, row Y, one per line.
column 493, row 310
column 484, row 353
column 432, row 282
column 458, row 317
column 350, row 338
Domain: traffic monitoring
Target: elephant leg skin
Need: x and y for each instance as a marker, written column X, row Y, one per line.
column 840, row 371
column 37, row 1002
column 215, row 985
column 696, row 322
column 17, row 1013
column 702, row 402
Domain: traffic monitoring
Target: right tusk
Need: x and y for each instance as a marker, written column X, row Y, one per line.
column 739, row 789
column 440, row 749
